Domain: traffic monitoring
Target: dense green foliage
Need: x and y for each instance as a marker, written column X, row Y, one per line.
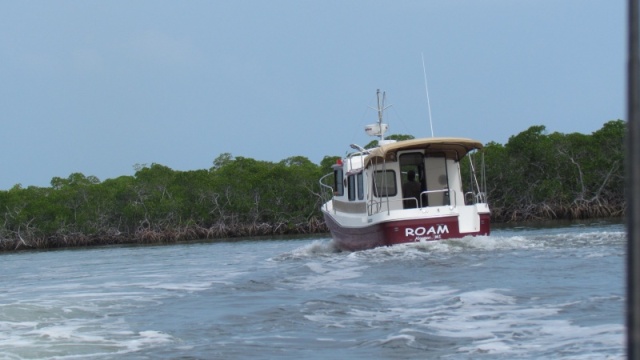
column 236, row 197
column 535, row 175
column 550, row 176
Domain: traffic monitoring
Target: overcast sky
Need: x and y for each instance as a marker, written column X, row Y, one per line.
column 99, row 86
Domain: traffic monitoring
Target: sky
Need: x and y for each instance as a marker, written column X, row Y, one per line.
column 100, row 87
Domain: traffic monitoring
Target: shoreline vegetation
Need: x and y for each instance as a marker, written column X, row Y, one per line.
column 534, row 176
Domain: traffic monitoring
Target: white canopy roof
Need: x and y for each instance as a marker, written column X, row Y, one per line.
column 454, row 147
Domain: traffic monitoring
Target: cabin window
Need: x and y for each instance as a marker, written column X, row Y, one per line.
column 338, row 185
column 360, row 179
column 384, row 183
column 352, row 187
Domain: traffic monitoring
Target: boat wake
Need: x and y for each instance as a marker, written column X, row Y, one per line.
column 527, row 294
column 515, row 294
column 317, row 248
column 499, row 241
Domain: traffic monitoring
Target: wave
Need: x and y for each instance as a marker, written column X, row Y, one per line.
column 317, row 248
column 529, row 239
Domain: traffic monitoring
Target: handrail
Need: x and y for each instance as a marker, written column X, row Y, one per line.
column 379, row 205
column 446, row 190
column 411, row 199
column 478, row 190
column 477, row 198
column 473, row 197
column 370, row 205
column 350, row 159
column 326, row 187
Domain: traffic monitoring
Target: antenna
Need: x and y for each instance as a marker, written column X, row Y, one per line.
column 426, row 87
column 378, row 129
column 380, row 111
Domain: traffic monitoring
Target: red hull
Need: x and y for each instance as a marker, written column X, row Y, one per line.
column 400, row 232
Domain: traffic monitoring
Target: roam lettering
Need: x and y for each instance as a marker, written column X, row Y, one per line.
column 422, row 231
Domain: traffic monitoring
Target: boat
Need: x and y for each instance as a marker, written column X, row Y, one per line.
column 404, row 191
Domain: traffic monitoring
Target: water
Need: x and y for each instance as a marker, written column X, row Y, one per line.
column 519, row 293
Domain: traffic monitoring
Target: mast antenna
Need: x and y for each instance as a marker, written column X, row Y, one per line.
column 426, row 88
column 381, row 110
column 380, row 128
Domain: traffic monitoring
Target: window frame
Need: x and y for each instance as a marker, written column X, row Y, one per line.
column 351, row 187
column 390, row 175
column 338, row 184
column 360, row 181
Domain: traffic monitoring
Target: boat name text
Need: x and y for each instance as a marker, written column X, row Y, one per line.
column 420, row 231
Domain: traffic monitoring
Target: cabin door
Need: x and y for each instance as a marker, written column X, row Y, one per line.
column 437, row 179
column 412, row 179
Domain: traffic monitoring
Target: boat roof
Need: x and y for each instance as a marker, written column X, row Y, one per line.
column 450, row 146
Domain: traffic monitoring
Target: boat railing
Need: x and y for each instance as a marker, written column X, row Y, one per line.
column 477, row 193
column 411, row 200
column 325, row 189
column 447, row 197
column 471, row 197
column 383, row 205
column 386, row 204
column 373, row 207
column 360, row 155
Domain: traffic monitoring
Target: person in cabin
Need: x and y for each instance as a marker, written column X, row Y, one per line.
column 411, row 190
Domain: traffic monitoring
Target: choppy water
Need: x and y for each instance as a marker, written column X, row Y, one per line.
column 519, row 293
